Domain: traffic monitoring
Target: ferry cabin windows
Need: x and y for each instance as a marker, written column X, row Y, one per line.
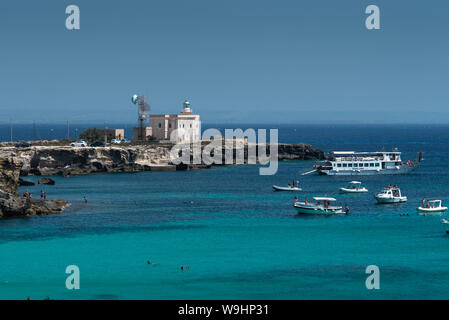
column 357, row 165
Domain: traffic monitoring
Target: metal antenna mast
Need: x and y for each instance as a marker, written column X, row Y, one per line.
column 143, row 109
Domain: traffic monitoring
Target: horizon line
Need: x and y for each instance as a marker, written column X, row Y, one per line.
column 107, row 124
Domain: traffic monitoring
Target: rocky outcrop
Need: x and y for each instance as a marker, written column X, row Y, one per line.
column 23, row 182
column 17, row 206
column 46, row 181
column 46, row 160
column 9, row 173
column 299, row 151
column 64, row 160
column 13, row 205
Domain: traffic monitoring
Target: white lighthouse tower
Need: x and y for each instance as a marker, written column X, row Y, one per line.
column 186, row 108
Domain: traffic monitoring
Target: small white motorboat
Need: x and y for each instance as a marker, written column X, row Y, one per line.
column 290, row 187
column 354, row 187
column 322, row 206
column 390, row 195
column 431, row 207
column 278, row 188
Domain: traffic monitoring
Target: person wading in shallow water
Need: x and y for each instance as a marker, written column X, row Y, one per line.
column 85, row 199
column 346, row 209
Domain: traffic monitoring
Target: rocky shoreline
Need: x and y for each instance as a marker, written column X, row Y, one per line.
column 65, row 160
column 14, row 205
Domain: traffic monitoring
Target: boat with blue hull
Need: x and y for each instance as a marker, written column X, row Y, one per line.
column 351, row 163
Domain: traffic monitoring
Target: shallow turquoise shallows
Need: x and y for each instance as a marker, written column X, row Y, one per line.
column 239, row 239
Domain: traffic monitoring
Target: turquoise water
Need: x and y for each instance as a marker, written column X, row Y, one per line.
column 240, row 239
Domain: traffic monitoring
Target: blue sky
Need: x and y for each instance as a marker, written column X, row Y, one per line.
column 236, row 61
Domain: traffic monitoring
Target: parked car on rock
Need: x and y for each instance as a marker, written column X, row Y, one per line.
column 79, row 143
column 23, row 144
column 98, row 144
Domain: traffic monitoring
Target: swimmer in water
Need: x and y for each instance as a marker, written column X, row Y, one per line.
column 85, row 199
column 149, row 262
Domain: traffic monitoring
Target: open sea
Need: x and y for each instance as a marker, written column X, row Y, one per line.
column 239, row 239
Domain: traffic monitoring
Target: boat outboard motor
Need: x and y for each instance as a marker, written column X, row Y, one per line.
column 419, row 156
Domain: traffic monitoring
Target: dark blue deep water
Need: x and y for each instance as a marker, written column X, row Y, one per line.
column 240, row 239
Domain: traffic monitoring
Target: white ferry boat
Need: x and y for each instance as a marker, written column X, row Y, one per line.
column 349, row 163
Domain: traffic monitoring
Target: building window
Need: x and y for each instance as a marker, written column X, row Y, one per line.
column 377, row 164
column 339, row 165
column 160, row 125
column 371, row 164
column 169, row 125
column 344, row 165
column 190, row 125
column 366, row 164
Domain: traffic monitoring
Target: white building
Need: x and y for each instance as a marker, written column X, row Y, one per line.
column 178, row 128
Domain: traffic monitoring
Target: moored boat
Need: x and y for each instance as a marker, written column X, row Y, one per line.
column 322, row 206
column 354, row 187
column 430, row 207
column 294, row 186
column 289, row 188
column 390, row 195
